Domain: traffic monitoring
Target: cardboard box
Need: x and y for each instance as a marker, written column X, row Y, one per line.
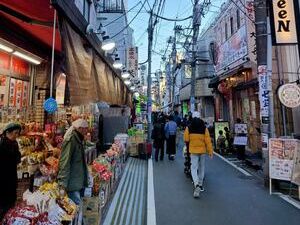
column 92, row 218
column 133, row 150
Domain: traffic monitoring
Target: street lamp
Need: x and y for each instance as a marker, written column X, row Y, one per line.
column 107, row 43
column 117, row 63
column 127, row 82
column 125, row 74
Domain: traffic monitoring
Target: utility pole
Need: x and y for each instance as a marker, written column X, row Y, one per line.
column 149, row 80
column 197, row 11
column 174, row 54
column 265, row 79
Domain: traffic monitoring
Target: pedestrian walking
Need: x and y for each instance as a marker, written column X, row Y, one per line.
column 158, row 138
column 229, row 140
column 170, row 134
column 185, row 121
column 199, row 140
column 10, row 157
column 73, row 174
column 177, row 119
column 221, row 142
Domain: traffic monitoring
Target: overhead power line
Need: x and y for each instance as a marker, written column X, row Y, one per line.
column 172, row 19
column 124, row 14
column 130, row 21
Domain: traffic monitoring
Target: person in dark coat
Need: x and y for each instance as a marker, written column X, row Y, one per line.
column 158, row 138
column 170, row 134
column 10, row 157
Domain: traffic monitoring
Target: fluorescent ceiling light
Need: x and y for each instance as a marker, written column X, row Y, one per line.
column 27, row 58
column 127, row 82
column 107, row 44
column 5, row 48
column 125, row 75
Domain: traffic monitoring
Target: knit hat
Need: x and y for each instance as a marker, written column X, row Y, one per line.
column 80, row 123
column 12, row 126
column 196, row 114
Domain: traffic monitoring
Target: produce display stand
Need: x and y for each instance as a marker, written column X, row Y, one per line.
column 45, row 204
column 137, row 140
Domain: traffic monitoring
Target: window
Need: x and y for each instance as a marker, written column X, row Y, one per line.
column 231, row 26
column 110, row 6
column 238, row 19
column 226, row 31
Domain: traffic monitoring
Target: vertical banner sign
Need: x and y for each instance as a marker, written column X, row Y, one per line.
column 12, row 90
column 60, row 89
column 263, row 80
column 3, row 82
column 283, row 22
column 132, row 60
column 263, row 91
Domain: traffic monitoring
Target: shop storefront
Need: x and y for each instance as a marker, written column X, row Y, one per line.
column 15, row 85
column 236, row 97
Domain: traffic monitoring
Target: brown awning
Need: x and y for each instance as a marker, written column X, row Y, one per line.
column 89, row 78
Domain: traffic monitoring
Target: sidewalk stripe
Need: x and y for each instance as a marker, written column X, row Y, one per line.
column 233, row 165
column 290, row 200
column 151, row 214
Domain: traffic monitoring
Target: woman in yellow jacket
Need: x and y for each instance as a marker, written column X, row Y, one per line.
column 198, row 137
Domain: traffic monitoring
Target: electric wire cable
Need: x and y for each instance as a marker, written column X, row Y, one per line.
column 129, row 22
column 124, row 14
column 172, row 19
column 242, row 11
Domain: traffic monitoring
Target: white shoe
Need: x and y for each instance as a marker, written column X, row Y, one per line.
column 197, row 192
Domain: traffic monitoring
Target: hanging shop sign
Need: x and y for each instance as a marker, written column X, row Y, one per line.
column 50, row 105
column 281, row 155
column 240, row 140
column 3, row 81
column 283, row 22
column 240, row 128
column 132, row 60
column 60, row 89
column 4, row 61
column 232, row 50
column 263, row 81
column 289, row 95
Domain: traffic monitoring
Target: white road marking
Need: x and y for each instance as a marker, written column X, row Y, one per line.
column 233, row 165
column 290, row 200
column 151, row 213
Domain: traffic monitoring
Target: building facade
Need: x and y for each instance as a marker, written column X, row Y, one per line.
column 236, row 84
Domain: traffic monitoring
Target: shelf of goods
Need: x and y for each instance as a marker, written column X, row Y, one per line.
column 136, row 138
column 106, row 171
column 40, row 202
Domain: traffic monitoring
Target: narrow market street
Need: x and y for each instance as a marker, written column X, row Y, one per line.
column 230, row 197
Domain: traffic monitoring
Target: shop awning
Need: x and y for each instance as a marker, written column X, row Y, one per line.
column 89, row 78
column 34, row 17
column 214, row 82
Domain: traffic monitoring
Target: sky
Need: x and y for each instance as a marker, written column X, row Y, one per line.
column 172, row 9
